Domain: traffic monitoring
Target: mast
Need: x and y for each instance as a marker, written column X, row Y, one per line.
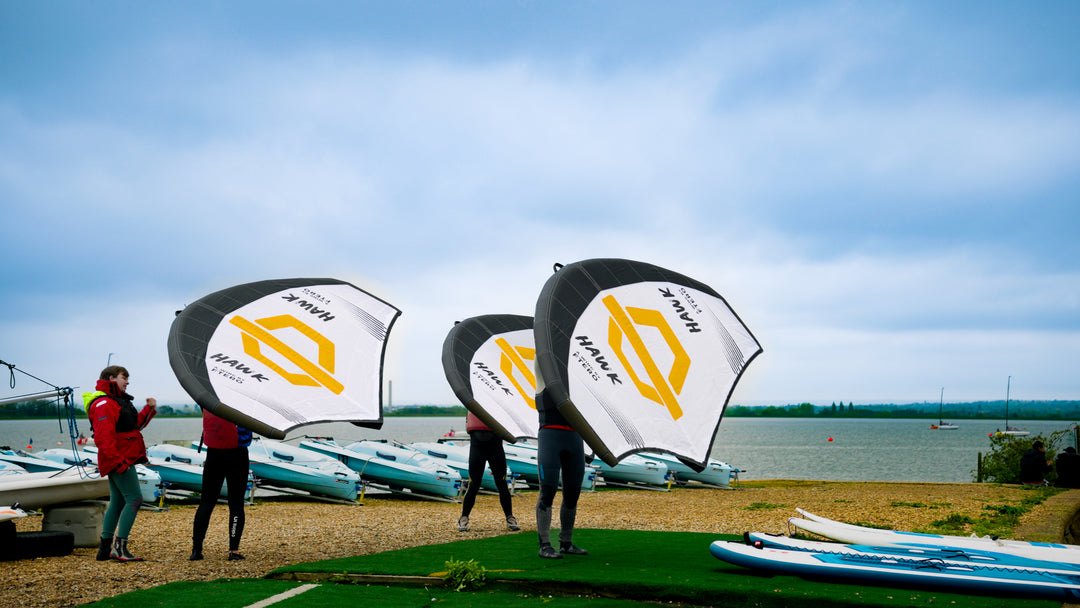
column 1007, row 387
column 940, row 405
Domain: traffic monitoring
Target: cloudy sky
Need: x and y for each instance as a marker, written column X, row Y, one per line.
column 886, row 193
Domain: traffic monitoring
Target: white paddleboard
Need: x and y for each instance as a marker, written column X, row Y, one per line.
column 860, row 535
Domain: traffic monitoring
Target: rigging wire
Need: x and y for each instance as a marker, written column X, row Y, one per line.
column 66, row 410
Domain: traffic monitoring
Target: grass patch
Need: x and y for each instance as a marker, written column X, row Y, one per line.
column 920, row 505
column 995, row 520
column 762, row 506
column 953, row 523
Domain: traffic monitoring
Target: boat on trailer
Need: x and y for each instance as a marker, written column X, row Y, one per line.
column 457, row 457
column 635, row 469
column 279, row 464
column 392, row 468
column 715, row 473
column 181, row 468
column 522, row 459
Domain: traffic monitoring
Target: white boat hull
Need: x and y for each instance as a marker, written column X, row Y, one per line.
column 38, row 490
column 282, row 465
column 635, row 469
column 715, row 473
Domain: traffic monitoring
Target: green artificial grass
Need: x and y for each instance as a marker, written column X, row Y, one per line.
column 226, row 593
column 635, row 565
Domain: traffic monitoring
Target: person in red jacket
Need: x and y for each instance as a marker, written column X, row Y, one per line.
column 485, row 447
column 226, row 460
column 117, row 434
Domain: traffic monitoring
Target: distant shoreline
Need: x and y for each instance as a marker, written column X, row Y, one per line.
column 1056, row 410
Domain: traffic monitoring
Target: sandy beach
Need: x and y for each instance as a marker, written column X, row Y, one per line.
column 289, row 530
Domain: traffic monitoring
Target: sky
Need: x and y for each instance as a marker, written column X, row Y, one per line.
column 886, row 193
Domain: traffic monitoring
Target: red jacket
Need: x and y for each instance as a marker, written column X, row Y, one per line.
column 116, row 427
column 221, row 434
column 473, row 423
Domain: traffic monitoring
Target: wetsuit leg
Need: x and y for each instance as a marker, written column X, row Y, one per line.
column 549, row 467
column 214, row 470
column 573, row 470
column 237, row 477
column 497, row 460
column 477, row 461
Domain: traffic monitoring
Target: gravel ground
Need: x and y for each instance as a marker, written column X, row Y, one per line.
column 288, row 530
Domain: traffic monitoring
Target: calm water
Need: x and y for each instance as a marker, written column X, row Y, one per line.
column 779, row 448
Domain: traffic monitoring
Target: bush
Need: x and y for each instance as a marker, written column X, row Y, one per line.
column 462, row 576
column 1002, row 464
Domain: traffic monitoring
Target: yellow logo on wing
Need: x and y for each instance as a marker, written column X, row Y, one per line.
column 258, row 333
column 623, row 327
column 513, row 366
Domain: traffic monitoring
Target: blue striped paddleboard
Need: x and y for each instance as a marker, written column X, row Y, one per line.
column 947, row 554
column 902, row 570
column 859, row 535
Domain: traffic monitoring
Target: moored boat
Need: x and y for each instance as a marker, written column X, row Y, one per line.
column 942, row 425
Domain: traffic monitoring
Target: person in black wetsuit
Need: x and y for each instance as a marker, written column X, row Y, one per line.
column 560, row 451
column 485, row 447
column 1068, row 468
column 226, row 460
column 1034, row 465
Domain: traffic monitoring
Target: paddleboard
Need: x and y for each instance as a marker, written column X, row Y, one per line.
column 901, row 571
column 859, row 535
column 946, row 554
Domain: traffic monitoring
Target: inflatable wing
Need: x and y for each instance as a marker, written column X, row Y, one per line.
column 274, row 355
column 488, row 361
column 637, row 357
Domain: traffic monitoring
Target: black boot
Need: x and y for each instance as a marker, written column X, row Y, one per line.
column 104, row 552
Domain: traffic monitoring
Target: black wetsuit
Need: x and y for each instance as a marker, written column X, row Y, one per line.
column 226, row 459
column 486, row 448
column 561, row 452
column 230, row 465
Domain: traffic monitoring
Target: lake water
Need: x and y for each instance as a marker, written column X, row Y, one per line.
column 765, row 448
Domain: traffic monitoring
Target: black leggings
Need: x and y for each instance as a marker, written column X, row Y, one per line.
column 560, row 452
column 230, row 465
column 487, row 452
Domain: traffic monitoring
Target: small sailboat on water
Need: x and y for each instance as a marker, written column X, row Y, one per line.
column 1011, row 430
column 942, row 425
